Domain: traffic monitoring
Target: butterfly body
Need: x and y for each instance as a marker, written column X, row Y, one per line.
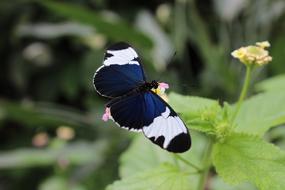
column 135, row 104
column 148, row 86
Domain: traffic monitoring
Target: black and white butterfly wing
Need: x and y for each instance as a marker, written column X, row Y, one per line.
column 166, row 130
column 147, row 112
column 120, row 73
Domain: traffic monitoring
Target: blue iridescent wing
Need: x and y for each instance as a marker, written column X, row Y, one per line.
column 120, row 73
column 128, row 111
column 147, row 112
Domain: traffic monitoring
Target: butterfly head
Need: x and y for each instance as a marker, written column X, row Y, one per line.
column 154, row 84
column 147, row 86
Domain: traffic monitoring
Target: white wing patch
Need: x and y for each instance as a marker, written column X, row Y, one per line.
column 167, row 126
column 121, row 57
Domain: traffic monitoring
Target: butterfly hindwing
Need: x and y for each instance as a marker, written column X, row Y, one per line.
column 147, row 112
column 166, row 129
column 120, row 73
column 127, row 112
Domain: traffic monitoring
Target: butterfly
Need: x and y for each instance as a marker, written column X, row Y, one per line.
column 134, row 103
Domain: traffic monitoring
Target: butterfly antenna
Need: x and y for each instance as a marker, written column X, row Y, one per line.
column 183, row 85
column 170, row 60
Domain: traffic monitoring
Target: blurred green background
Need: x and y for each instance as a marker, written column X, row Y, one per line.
column 51, row 133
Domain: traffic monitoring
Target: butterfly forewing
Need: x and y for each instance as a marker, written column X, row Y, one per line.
column 120, row 73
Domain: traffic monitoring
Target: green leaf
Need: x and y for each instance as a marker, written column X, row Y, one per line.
column 199, row 113
column 54, row 183
column 272, row 84
column 219, row 184
column 192, row 105
column 118, row 30
column 59, row 183
column 261, row 112
column 163, row 177
column 47, row 114
column 149, row 157
column 76, row 153
column 143, row 156
column 277, row 135
column 243, row 157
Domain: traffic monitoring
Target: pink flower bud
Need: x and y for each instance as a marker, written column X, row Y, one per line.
column 107, row 115
column 163, row 85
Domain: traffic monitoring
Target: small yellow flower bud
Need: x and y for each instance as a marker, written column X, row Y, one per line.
column 65, row 133
column 263, row 45
column 253, row 55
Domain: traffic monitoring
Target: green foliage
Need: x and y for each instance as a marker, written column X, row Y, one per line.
column 261, row 112
column 56, row 183
column 278, row 51
column 199, row 113
column 272, row 84
column 195, row 107
column 237, row 157
column 163, row 177
column 59, row 183
column 244, row 157
column 115, row 30
column 34, row 114
column 139, row 159
column 150, row 156
column 219, row 184
column 74, row 154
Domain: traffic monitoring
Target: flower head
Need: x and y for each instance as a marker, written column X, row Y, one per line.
column 254, row 54
column 107, row 115
column 161, row 89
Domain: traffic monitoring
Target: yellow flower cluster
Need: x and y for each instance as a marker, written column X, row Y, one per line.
column 254, row 54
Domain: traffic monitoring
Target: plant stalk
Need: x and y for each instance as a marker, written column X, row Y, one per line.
column 207, row 161
column 244, row 91
column 187, row 162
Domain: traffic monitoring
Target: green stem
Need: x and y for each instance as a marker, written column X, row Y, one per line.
column 207, row 164
column 175, row 160
column 187, row 162
column 244, row 91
